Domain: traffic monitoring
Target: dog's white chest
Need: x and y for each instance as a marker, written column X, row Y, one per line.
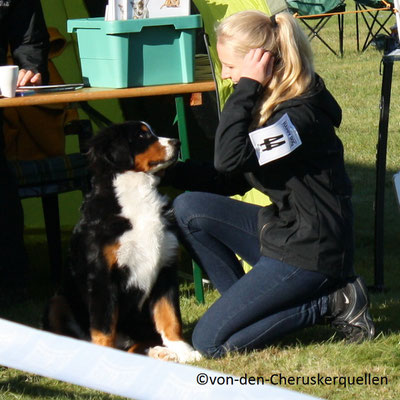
column 148, row 246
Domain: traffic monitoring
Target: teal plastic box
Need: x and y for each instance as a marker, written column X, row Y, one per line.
column 140, row 52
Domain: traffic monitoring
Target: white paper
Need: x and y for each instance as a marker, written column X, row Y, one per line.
column 275, row 141
column 138, row 9
column 124, row 10
column 110, row 11
column 168, row 8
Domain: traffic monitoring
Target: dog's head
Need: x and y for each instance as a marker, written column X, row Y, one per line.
column 140, row 9
column 131, row 146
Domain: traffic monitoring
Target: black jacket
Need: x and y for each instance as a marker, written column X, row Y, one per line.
column 310, row 223
column 22, row 26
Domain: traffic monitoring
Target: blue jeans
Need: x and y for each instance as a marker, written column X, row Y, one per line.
column 256, row 308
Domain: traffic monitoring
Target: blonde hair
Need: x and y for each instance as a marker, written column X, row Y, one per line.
column 293, row 69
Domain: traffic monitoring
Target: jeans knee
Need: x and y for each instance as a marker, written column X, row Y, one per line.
column 181, row 206
column 186, row 205
column 181, row 202
column 204, row 345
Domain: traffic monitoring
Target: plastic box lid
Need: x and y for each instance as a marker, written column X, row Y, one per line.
column 134, row 25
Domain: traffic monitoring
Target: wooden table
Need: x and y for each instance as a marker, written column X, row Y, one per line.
column 90, row 94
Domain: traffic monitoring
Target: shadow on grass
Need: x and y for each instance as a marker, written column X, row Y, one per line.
column 28, row 385
column 385, row 311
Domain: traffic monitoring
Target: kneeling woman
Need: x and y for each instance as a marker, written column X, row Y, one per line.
column 276, row 134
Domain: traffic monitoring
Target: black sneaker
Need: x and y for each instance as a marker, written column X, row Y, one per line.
column 349, row 312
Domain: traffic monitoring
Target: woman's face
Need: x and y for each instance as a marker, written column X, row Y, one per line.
column 230, row 61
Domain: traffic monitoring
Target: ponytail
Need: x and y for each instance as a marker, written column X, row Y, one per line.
column 281, row 35
column 293, row 71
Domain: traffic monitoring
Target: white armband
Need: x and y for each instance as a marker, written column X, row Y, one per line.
column 275, row 141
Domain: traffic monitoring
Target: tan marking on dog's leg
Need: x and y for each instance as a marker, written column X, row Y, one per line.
column 155, row 153
column 106, row 339
column 110, row 254
column 169, row 327
column 59, row 312
column 101, row 338
column 166, row 321
column 139, row 348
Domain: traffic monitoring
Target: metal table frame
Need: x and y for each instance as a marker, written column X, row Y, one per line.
column 388, row 61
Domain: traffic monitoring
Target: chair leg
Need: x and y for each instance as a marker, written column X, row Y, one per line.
column 185, row 154
column 375, row 23
column 314, row 31
column 341, row 34
column 198, row 282
column 370, row 35
column 357, row 27
column 53, row 233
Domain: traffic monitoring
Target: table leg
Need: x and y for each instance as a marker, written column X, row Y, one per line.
column 185, row 154
column 381, row 173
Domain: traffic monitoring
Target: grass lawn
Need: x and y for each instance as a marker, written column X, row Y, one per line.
column 355, row 81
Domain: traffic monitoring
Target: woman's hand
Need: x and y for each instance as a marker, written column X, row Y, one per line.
column 28, row 77
column 257, row 65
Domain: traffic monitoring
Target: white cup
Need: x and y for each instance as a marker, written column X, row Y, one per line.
column 8, row 80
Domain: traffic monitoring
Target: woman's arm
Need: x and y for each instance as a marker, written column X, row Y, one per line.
column 29, row 41
column 203, row 177
column 233, row 149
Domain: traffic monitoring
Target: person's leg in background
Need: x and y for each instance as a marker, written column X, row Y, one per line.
column 13, row 256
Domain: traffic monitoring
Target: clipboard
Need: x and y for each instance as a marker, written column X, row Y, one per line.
column 49, row 88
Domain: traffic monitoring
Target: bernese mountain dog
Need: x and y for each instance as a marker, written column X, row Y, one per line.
column 120, row 285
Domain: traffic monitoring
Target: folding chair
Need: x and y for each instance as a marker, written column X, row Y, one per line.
column 47, row 178
column 371, row 11
column 320, row 12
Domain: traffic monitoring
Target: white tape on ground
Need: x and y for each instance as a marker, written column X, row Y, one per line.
column 117, row 372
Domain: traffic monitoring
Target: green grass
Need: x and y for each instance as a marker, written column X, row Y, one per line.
column 356, row 83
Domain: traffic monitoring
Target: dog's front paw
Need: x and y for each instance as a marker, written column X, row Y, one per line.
column 191, row 356
column 185, row 352
column 163, row 353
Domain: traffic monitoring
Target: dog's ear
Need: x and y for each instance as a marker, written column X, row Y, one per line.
column 109, row 153
column 98, row 146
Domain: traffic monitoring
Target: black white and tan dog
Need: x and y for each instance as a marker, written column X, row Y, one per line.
column 120, row 286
